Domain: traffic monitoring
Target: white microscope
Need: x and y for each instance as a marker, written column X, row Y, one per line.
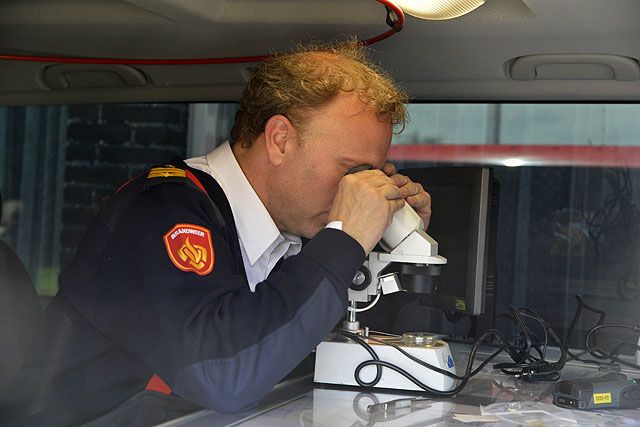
column 413, row 257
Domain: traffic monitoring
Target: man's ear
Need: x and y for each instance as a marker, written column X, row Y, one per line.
column 279, row 134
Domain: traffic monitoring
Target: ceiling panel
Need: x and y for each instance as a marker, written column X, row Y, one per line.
column 463, row 58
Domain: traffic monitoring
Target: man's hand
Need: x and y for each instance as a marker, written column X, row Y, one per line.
column 413, row 193
column 365, row 203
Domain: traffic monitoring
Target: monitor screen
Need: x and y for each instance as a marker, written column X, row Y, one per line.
column 463, row 222
column 461, row 198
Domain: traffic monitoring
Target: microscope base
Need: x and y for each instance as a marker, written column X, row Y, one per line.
column 337, row 359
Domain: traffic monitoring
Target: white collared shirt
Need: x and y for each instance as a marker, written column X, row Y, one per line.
column 261, row 243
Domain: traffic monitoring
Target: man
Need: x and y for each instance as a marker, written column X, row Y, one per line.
column 174, row 296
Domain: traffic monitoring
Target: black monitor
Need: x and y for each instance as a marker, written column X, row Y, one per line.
column 463, row 222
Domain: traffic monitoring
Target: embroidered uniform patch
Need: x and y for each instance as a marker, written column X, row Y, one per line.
column 190, row 249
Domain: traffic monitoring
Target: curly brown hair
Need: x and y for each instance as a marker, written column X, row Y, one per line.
column 294, row 84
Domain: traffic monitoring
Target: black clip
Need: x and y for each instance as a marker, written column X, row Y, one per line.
column 392, row 20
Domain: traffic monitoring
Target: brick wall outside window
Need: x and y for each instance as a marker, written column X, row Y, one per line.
column 108, row 145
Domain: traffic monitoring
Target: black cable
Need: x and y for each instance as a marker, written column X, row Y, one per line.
column 635, row 328
column 613, row 355
column 590, row 339
column 516, row 352
column 547, row 328
column 602, row 314
column 572, row 326
column 618, row 344
column 597, row 347
column 525, row 365
column 359, row 340
column 463, row 379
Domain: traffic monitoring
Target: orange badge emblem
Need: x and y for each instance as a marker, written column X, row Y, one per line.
column 190, row 249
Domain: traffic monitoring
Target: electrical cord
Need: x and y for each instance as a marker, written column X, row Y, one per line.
column 526, row 365
column 518, row 354
column 395, row 19
column 612, row 358
column 539, row 368
column 375, row 361
column 373, row 354
column 542, row 369
column 618, row 345
column 602, row 314
column 594, row 349
column 360, row 310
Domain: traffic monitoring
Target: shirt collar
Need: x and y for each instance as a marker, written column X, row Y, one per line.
column 256, row 229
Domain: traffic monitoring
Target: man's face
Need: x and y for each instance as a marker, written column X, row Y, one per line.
column 335, row 138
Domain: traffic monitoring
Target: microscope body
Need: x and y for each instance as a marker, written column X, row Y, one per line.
column 413, row 254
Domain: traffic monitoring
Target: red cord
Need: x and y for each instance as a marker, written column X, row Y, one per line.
column 389, row 4
column 133, row 61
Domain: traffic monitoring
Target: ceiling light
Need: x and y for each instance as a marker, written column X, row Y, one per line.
column 438, row 9
column 513, row 163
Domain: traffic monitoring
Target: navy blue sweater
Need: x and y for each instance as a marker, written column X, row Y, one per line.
column 126, row 311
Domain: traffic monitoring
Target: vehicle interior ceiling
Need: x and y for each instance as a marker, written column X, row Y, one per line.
column 505, row 50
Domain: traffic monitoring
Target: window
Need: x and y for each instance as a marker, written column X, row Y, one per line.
column 58, row 163
column 569, row 220
column 569, row 212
